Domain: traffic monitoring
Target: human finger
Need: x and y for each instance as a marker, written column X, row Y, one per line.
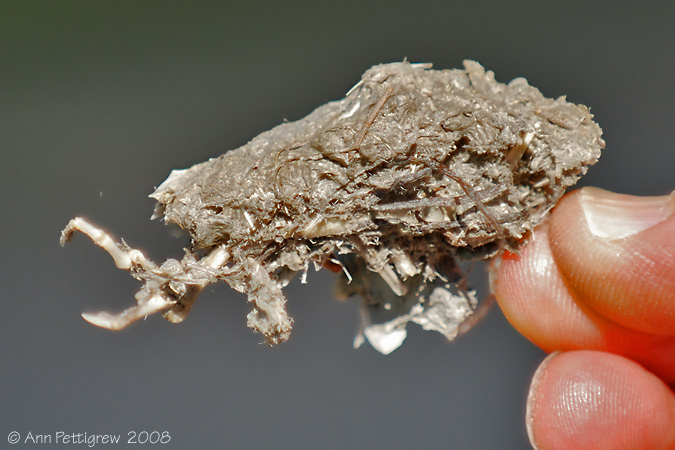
column 597, row 400
column 617, row 255
column 538, row 302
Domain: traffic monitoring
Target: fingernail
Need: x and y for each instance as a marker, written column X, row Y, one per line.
column 532, row 398
column 616, row 216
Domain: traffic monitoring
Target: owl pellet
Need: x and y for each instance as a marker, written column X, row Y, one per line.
column 396, row 187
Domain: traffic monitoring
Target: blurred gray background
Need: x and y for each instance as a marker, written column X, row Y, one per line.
column 100, row 100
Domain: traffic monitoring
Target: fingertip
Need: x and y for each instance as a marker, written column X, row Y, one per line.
column 617, row 253
column 532, row 397
column 535, row 300
column 588, row 399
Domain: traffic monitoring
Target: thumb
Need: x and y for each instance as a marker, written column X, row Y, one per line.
column 572, row 289
column 617, row 255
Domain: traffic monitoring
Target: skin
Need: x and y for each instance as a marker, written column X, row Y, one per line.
column 595, row 287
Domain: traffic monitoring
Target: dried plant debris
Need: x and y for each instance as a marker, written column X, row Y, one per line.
column 415, row 172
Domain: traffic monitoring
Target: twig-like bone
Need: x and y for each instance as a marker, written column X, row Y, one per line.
column 207, row 266
column 153, row 305
column 160, row 292
column 124, row 257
